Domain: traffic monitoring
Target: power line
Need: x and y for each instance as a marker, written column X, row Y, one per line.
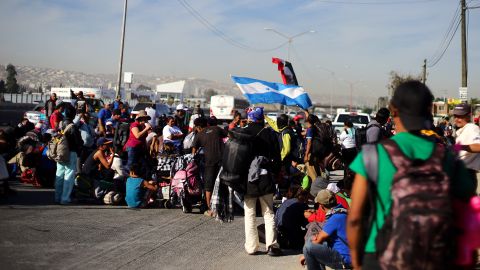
column 220, row 33
column 447, row 39
column 383, row 2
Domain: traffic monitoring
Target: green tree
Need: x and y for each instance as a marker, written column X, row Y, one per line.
column 11, row 85
column 396, row 79
column 209, row 93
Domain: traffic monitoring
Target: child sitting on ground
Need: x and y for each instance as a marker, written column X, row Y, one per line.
column 138, row 190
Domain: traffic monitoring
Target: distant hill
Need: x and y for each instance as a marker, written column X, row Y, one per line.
column 34, row 77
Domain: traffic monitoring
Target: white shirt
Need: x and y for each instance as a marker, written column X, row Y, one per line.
column 153, row 116
column 120, row 170
column 469, row 134
column 348, row 140
column 168, row 131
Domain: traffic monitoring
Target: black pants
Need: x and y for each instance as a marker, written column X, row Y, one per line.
column 210, row 176
column 348, row 155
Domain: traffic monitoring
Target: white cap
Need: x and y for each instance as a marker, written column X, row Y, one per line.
column 180, row 107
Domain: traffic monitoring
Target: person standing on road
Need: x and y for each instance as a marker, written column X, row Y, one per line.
column 88, row 137
column 136, row 144
column 57, row 116
column 468, row 141
column 81, row 104
column 265, row 146
column 349, row 149
column 210, row 139
column 50, row 105
column 410, row 108
column 103, row 115
column 65, row 175
column 375, row 130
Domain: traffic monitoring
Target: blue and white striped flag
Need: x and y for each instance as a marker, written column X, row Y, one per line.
column 257, row 91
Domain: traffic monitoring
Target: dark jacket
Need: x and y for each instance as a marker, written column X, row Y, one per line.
column 265, row 143
column 74, row 138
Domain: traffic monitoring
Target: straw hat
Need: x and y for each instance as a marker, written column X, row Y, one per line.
column 142, row 114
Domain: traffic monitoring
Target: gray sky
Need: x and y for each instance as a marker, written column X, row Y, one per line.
column 361, row 41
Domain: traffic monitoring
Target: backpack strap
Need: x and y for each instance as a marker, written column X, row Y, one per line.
column 370, row 161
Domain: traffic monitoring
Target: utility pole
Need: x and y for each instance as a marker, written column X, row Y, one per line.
column 424, row 70
column 122, row 40
column 464, row 45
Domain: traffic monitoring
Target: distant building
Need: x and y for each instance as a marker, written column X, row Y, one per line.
column 440, row 108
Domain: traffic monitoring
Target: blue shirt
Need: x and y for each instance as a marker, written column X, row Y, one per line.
column 104, row 114
column 335, row 227
column 135, row 192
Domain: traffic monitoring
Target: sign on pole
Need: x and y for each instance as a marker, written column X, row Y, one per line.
column 463, row 93
column 128, row 77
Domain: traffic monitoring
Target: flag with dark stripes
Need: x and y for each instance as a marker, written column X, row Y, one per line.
column 286, row 71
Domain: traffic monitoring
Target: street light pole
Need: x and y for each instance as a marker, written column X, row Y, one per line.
column 289, row 38
column 122, row 40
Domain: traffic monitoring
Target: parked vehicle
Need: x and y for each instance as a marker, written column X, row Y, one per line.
column 223, row 106
column 359, row 120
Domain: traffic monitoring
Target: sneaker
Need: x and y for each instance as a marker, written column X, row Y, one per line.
column 274, row 251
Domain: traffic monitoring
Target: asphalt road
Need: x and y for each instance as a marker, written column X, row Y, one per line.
column 37, row 234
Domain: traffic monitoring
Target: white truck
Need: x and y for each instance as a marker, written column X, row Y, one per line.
column 359, row 120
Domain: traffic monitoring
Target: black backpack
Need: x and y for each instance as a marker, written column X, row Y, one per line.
column 296, row 144
column 361, row 135
column 120, row 138
column 322, row 141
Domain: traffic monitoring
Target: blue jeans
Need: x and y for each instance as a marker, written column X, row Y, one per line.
column 133, row 156
column 317, row 256
column 65, row 179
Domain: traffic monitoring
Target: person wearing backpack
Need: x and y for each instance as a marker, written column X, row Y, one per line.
column 375, row 131
column 410, row 181
column 260, row 185
column 67, row 168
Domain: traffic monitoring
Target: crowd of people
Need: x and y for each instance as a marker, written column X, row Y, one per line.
column 282, row 165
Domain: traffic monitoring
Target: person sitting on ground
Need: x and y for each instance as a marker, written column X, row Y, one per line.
column 172, row 133
column 328, row 247
column 317, row 214
column 138, row 190
column 289, row 219
column 98, row 159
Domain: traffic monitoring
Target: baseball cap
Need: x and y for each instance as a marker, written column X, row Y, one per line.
column 325, row 197
column 462, row 109
column 180, row 107
column 256, row 114
column 103, row 141
column 413, row 100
